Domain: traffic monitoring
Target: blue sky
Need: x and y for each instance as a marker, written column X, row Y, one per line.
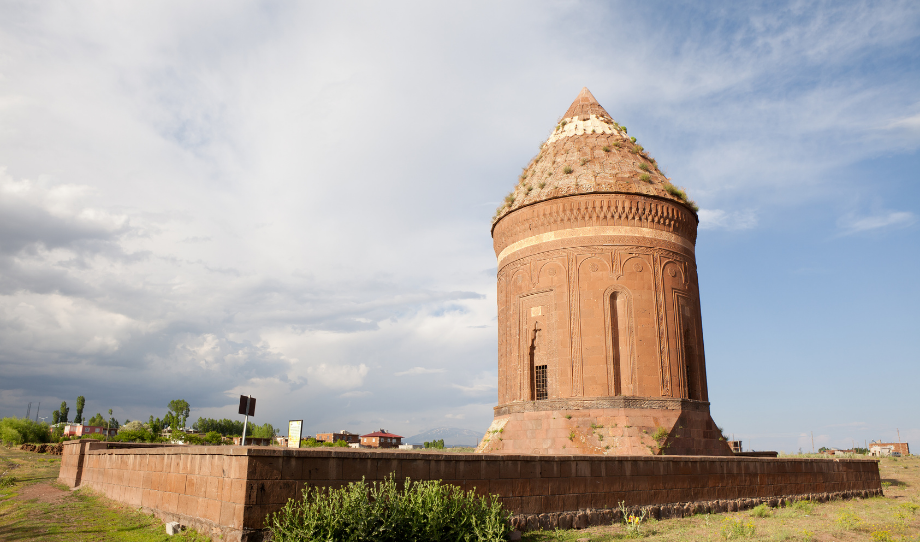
column 292, row 200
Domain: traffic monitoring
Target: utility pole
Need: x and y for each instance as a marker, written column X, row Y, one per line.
column 29, row 411
column 899, row 438
column 36, row 411
column 812, row 442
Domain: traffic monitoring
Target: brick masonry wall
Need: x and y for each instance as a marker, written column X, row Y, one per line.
column 229, row 490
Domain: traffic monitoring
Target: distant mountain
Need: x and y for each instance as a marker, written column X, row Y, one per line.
column 453, row 436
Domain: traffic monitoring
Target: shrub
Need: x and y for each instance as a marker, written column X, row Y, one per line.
column 541, row 184
column 567, row 170
column 625, row 131
column 805, row 507
column 660, row 435
column 606, row 148
column 141, row 435
column 584, row 161
column 7, row 481
column 340, row 444
column 644, row 167
column 22, row 430
column 632, row 139
column 645, row 177
column 381, row 511
column 616, row 144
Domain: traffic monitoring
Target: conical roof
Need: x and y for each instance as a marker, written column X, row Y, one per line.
column 589, row 152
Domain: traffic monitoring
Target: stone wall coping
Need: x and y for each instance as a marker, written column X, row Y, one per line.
column 259, row 451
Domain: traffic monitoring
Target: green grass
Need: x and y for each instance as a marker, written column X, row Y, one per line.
column 72, row 516
column 567, row 170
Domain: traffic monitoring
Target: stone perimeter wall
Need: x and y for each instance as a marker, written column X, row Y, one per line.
column 229, row 490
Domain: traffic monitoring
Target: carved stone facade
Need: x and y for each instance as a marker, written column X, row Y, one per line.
column 599, row 321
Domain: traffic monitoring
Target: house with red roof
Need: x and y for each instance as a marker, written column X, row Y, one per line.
column 381, row 439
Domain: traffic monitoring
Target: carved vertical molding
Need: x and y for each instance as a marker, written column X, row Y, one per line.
column 575, row 311
column 663, row 356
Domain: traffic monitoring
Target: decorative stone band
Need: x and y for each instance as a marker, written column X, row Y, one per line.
column 593, row 231
column 577, row 125
column 614, row 402
column 644, row 213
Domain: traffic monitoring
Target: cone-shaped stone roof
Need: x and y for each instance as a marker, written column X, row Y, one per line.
column 589, row 152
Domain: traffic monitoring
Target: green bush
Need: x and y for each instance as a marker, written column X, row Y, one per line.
column 22, row 430
column 422, row 511
column 138, row 435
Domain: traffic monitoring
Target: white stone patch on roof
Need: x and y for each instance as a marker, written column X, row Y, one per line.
column 574, row 126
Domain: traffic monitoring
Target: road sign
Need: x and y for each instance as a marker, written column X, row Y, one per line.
column 247, row 406
column 295, row 429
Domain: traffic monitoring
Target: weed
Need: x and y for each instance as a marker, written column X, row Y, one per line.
column 632, row 139
column 528, row 188
column 7, row 481
column 584, row 161
column 674, row 191
column 550, row 174
column 625, row 131
column 595, row 426
column 808, row 536
column 600, row 436
column 567, row 170
column 572, row 435
column 509, row 199
column 627, row 426
column 541, row 184
column 606, row 148
column 644, row 167
column 761, row 511
column 563, row 123
column 568, row 416
column 736, row 528
column 660, row 435
column 881, row 536
column 616, row 144
column 848, row 521
column 645, row 177
column 806, row 507
column 633, row 522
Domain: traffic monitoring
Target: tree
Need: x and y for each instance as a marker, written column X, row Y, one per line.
column 63, row 412
column 97, row 421
column 81, row 402
column 264, row 431
column 55, row 417
column 180, row 411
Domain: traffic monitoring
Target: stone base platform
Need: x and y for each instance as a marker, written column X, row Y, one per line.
column 228, row 491
column 605, row 426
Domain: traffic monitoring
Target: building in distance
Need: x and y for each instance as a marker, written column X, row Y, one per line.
column 347, row 436
column 380, row 439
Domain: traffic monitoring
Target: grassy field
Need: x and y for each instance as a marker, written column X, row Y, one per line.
column 34, row 506
column 894, row 517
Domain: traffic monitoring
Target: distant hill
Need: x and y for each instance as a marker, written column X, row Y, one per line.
column 453, row 436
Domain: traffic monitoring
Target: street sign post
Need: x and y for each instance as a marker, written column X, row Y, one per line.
column 295, row 429
column 247, row 408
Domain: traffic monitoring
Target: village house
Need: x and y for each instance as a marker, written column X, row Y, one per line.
column 381, row 439
column 349, row 437
column 78, row 430
column 885, row 449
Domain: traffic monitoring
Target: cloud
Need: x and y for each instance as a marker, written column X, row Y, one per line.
column 339, row 376
column 483, row 383
column 355, row 394
column 711, row 219
column 419, row 371
column 852, row 223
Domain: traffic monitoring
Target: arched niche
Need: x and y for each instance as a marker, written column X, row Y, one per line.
column 619, row 321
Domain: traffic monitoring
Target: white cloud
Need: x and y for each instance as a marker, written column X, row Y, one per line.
column 419, row 371
column 851, row 224
column 355, row 394
column 711, row 219
column 339, row 376
column 483, row 383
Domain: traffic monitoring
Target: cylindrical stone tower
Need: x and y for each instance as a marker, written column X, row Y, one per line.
column 600, row 342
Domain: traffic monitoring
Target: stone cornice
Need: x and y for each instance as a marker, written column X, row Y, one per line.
column 617, row 402
column 633, row 211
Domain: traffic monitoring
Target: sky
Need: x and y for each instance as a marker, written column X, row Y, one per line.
column 292, row 200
